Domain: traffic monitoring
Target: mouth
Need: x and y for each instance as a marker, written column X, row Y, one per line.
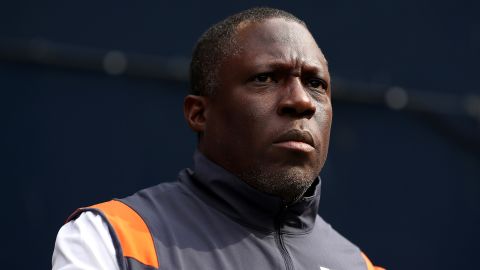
column 296, row 140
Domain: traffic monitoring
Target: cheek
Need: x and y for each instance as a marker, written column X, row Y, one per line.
column 252, row 111
column 323, row 119
column 323, row 116
column 252, row 123
column 237, row 120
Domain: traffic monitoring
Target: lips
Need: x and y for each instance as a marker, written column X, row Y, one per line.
column 296, row 139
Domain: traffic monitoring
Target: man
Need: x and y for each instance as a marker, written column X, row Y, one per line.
column 260, row 103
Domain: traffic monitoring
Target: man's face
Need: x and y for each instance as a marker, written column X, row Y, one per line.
column 269, row 120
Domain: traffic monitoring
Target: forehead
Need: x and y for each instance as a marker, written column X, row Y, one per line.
column 277, row 39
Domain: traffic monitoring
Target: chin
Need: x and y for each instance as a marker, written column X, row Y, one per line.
column 287, row 182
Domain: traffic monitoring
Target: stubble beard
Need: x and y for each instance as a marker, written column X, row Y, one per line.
column 290, row 184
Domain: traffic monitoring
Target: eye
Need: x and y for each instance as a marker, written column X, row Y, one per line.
column 317, row 84
column 263, row 78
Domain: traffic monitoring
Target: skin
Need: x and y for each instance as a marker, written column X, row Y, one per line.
column 277, row 83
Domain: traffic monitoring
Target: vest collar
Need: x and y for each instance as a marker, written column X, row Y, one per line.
column 235, row 198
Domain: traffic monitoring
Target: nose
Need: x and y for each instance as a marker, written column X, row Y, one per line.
column 296, row 102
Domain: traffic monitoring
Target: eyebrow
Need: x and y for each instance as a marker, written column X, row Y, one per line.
column 316, row 67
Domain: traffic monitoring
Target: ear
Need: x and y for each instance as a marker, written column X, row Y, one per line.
column 194, row 110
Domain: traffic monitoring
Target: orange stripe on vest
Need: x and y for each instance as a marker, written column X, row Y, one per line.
column 132, row 232
column 370, row 266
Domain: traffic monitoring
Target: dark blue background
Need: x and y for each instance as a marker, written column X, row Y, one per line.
column 397, row 183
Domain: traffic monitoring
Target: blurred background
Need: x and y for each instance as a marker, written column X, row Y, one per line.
column 91, row 105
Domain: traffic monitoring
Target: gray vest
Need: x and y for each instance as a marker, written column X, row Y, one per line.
column 209, row 219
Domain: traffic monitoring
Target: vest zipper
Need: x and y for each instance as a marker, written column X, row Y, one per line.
column 281, row 244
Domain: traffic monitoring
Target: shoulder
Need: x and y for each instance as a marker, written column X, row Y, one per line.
column 163, row 203
column 129, row 233
column 84, row 243
column 109, row 234
column 338, row 244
